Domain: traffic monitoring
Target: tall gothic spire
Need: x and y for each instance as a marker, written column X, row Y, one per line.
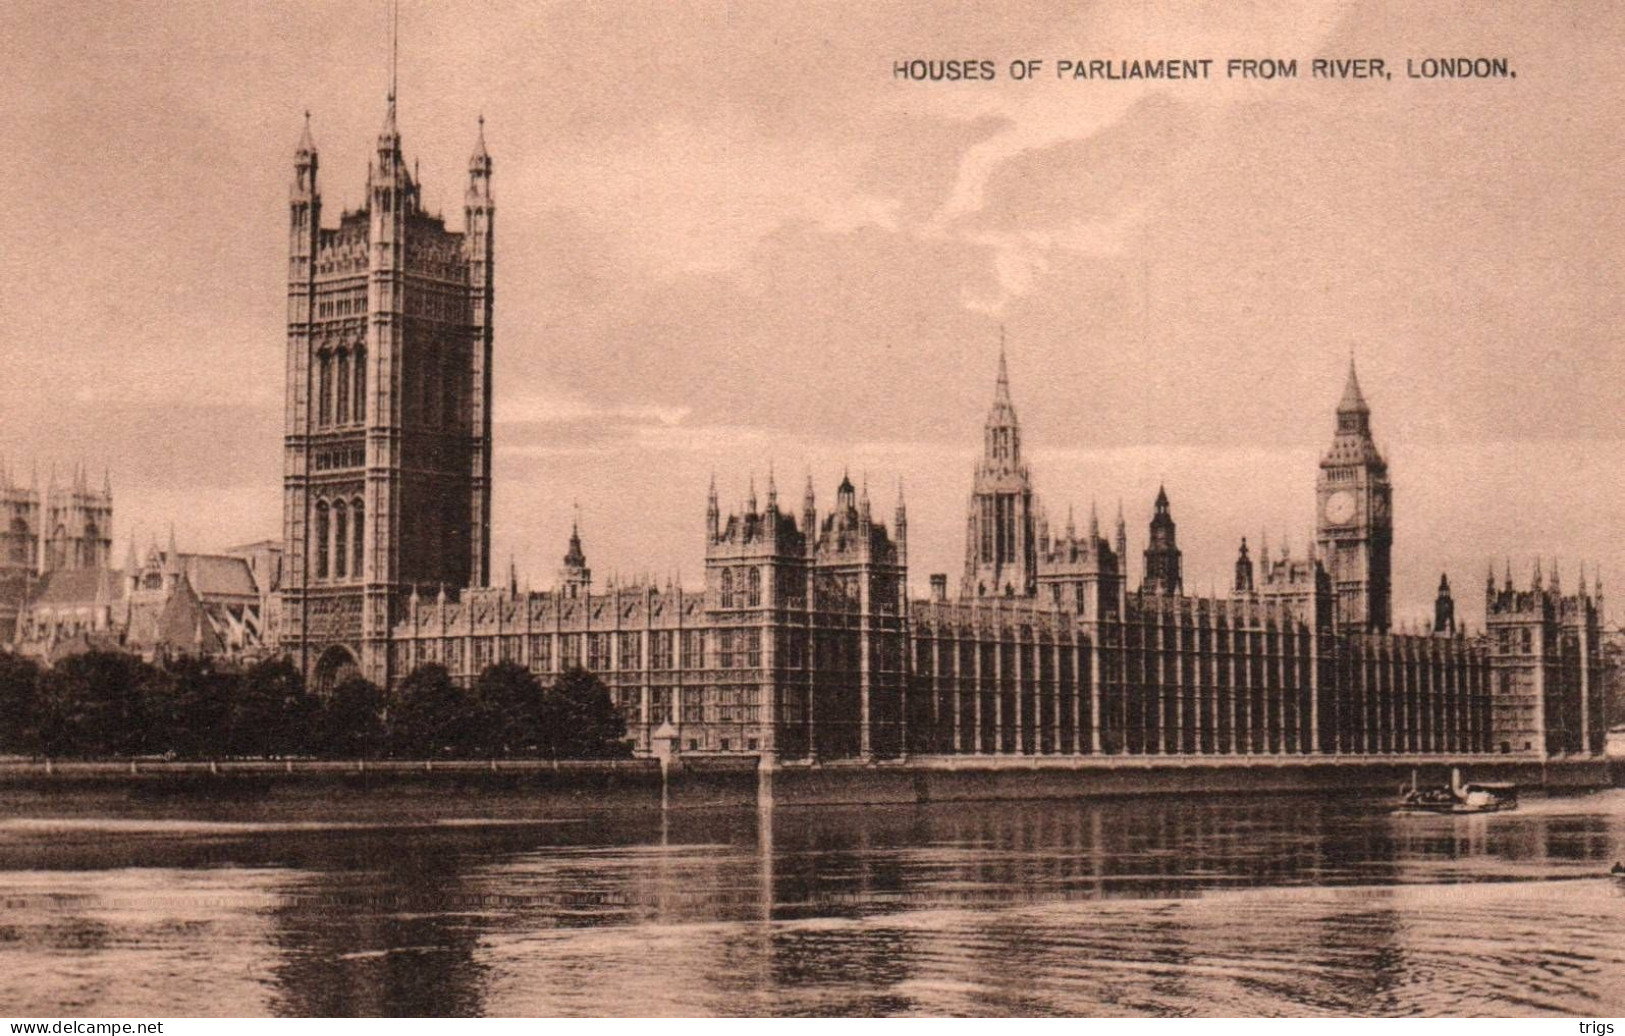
column 1002, row 433
column 1353, row 400
column 306, row 148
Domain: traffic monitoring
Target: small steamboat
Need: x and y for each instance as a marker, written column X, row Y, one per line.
column 1458, row 797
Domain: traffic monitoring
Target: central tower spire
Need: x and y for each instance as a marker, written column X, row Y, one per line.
column 1001, row 547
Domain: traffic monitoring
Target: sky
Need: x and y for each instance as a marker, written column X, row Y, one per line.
column 729, row 240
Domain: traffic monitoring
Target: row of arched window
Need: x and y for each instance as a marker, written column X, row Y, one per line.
column 741, row 588
column 341, row 386
column 339, row 539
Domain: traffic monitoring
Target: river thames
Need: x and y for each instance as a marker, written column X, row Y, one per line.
column 1253, row 906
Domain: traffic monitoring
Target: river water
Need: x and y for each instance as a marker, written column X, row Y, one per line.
column 1288, row 906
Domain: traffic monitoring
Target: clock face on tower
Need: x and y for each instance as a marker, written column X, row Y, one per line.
column 1340, row 507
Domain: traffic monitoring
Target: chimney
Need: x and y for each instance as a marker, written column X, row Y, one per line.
column 939, row 587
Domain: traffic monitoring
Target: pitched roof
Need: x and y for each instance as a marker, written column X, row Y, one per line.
column 79, row 586
column 214, row 575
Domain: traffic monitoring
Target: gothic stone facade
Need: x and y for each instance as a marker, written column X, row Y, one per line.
column 386, row 486
column 803, row 642
column 67, row 528
column 804, row 645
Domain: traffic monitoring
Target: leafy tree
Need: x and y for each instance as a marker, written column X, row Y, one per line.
column 190, row 708
column 509, row 701
column 19, row 704
column 95, row 705
column 432, row 716
column 581, row 721
column 352, row 721
column 272, row 714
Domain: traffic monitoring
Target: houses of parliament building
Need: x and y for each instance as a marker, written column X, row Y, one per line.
column 803, row 642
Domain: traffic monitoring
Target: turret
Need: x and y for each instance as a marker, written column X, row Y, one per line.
column 304, row 217
column 172, row 562
column 132, row 567
column 575, row 578
column 1444, row 609
column 809, row 512
column 1163, row 561
column 900, row 526
column 1244, row 570
column 713, row 513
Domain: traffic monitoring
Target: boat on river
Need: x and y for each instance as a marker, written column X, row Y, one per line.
column 1458, row 796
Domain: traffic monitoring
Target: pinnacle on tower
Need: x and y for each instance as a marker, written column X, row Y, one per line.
column 1094, row 522
column 389, row 134
column 1001, row 388
column 772, row 489
column 480, row 161
column 306, row 148
column 1353, row 399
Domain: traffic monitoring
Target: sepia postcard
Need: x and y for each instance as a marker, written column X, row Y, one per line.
column 684, row 509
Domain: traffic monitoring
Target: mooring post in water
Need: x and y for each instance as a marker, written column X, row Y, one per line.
column 663, row 746
column 765, row 765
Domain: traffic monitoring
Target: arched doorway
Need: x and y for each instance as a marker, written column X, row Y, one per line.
column 336, row 665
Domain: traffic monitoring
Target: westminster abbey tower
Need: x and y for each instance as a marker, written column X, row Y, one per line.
column 387, row 473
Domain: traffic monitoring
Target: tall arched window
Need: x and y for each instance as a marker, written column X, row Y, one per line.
column 321, row 541
column 451, row 384
column 343, row 412
column 359, row 537
column 324, row 389
column 341, row 539
column 360, row 404
column 430, row 411
column 727, row 588
column 754, row 597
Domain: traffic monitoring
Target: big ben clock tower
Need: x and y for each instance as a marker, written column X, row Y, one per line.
column 1354, row 517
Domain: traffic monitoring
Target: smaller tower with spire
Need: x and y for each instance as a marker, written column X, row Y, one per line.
column 1163, row 560
column 575, row 578
column 1244, row 570
column 1001, row 542
column 1444, row 609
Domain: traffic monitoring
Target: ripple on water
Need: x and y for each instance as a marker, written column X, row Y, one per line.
column 1249, row 908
